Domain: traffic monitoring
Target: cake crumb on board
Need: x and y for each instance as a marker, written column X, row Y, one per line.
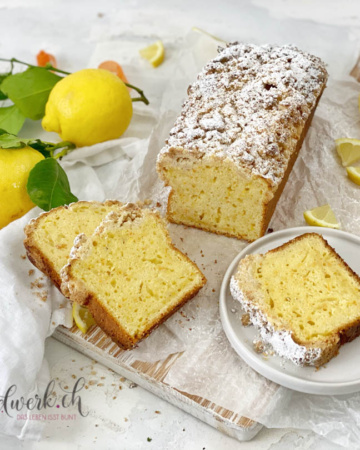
column 245, row 320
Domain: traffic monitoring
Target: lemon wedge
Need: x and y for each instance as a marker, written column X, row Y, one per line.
column 201, row 31
column 154, row 53
column 348, row 150
column 82, row 316
column 323, row 216
column 354, row 174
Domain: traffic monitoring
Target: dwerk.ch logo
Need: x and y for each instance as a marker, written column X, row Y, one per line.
column 14, row 407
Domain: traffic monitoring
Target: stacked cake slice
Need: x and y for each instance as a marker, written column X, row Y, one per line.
column 123, row 265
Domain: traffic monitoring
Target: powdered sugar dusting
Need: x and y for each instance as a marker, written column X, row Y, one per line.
column 280, row 340
column 249, row 104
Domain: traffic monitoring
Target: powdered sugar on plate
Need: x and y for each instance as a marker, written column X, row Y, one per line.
column 280, row 340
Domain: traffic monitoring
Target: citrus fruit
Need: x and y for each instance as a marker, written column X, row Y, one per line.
column 88, row 107
column 154, row 53
column 43, row 59
column 82, row 317
column 323, row 216
column 201, row 31
column 114, row 67
column 348, row 150
column 354, row 174
column 15, row 165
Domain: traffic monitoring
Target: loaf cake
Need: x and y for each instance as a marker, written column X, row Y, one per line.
column 50, row 237
column 303, row 298
column 232, row 148
column 130, row 275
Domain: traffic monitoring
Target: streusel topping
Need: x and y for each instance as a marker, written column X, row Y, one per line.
column 249, row 104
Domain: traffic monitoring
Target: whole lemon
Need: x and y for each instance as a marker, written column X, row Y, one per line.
column 87, row 107
column 15, row 165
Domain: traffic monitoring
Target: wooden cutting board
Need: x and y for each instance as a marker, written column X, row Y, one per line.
column 98, row 346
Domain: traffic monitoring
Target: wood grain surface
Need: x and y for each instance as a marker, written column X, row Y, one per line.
column 97, row 345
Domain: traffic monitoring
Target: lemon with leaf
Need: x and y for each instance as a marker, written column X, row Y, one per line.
column 88, row 107
column 15, row 166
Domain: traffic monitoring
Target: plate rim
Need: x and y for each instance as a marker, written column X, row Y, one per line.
column 260, row 366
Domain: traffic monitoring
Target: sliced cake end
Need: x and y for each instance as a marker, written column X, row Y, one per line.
column 50, row 237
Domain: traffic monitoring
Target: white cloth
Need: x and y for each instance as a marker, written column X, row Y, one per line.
column 117, row 169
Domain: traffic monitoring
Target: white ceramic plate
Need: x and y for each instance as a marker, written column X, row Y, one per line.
column 339, row 376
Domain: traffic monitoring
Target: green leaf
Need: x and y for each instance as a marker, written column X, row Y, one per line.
column 43, row 147
column 2, row 78
column 48, row 149
column 48, row 185
column 11, row 119
column 10, row 141
column 30, row 90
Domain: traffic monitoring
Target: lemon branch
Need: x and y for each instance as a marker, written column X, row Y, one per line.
column 66, row 146
column 48, row 149
column 142, row 97
column 48, row 66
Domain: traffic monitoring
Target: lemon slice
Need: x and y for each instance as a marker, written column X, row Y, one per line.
column 201, row 31
column 323, row 216
column 82, row 316
column 354, row 174
column 154, row 53
column 348, row 150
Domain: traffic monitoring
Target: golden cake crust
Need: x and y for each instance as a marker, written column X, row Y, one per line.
column 35, row 255
column 299, row 351
column 251, row 106
column 78, row 292
column 247, row 105
column 274, row 196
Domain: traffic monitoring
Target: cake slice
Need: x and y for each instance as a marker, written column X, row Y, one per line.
column 303, row 298
column 50, row 237
column 130, row 275
column 238, row 135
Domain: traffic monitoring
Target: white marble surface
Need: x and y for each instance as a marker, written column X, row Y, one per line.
column 120, row 416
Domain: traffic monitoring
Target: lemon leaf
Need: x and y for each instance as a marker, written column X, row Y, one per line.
column 48, row 185
column 2, row 78
column 8, row 140
column 29, row 90
column 11, row 119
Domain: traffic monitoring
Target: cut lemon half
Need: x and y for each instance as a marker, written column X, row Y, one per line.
column 348, row 150
column 82, row 316
column 154, row 53
column 354, row 174
column 323, row 216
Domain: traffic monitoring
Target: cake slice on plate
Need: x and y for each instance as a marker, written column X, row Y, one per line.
column 130, row 275
column 303, row 298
